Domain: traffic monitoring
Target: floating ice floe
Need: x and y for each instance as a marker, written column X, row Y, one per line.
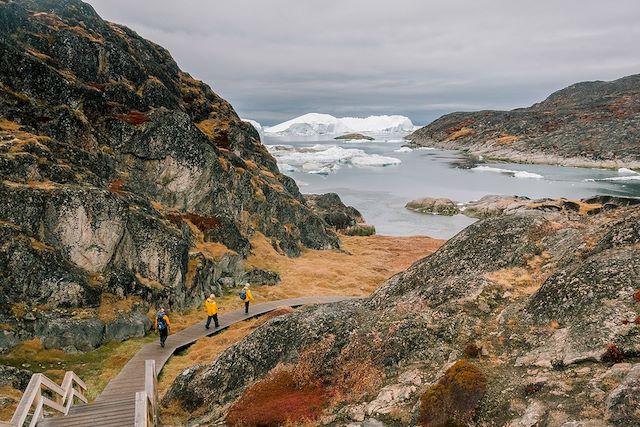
column 324, row 159
column 403, row 150
column 616, row 178
column 627, row 171
column 516, row 174
column 325, row 124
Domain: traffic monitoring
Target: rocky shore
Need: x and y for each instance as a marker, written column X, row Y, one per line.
column 589, row 124
column 535, row 313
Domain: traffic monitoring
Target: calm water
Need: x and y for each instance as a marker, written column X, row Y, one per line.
column 380, row 192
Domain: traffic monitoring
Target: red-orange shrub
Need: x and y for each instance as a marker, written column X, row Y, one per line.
column 472, row 350
column 278, row 400
column 204, row 224
column 637, row 321
column 453, row 400
column 613, row 354
column 116, row 185
column 636, row 296
column 134, row 118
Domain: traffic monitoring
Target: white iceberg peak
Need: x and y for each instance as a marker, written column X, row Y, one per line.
column 326, row 124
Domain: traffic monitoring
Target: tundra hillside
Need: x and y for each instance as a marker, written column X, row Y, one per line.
column 125, row 182
column 530, row 318
column 592, row 124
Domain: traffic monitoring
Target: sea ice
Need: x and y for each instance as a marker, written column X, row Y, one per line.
column 516, row 174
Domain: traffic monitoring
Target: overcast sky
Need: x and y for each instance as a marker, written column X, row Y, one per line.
column 277, row 59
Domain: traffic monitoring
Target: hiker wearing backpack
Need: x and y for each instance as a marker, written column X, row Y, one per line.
column 162, row 325
column 212, row 311
column 245, row 295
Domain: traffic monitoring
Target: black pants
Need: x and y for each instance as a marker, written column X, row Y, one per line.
column 163, row 335
column 246, row 306
column 215, row 320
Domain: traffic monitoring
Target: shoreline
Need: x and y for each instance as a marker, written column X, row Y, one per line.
column 538, row 158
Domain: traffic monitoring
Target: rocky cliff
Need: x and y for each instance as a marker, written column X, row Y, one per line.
column 530, row 318
column 586, row 124
column 124, row 181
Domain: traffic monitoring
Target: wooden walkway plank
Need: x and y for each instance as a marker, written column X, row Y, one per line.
column 115, row 406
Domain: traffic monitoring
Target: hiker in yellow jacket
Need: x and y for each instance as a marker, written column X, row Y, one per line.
column 162, row 325
column 212, row 311
column 246, row 292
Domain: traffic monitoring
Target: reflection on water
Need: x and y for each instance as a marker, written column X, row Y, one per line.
column 355, row 171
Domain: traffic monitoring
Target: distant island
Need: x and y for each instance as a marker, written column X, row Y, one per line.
column 354, row 137
column 589, row 124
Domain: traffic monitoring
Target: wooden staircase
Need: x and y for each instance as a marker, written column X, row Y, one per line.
column 130, row 399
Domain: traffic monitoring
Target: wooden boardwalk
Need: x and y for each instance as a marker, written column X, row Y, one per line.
column 116, row 405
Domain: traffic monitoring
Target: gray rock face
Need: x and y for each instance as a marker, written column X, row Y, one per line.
column 623, row 404
column 430, row 205
column 333, row 211
column 541, row 295
column 120, row 174
column 14, row 377
column 586, row 124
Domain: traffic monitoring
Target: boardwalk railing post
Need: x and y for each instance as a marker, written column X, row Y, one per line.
column 141, row 417
column 151, row 387
column 33, row 397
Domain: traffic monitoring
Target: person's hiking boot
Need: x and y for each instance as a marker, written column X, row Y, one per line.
column 206, row 327
column 162, row 344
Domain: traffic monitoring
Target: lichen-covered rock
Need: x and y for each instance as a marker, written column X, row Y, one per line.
column 430, row 205
column 623, row 403
column 541, row 302
column 120, row 174
column 333, row 211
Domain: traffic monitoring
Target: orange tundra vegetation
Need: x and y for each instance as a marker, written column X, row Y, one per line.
column 452, row 401
column 277, row 400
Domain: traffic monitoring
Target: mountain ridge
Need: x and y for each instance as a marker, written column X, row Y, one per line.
column 590, row 124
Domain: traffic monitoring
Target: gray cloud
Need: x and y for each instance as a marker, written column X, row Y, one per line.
column 280, row 58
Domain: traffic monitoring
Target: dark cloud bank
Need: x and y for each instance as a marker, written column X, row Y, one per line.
column 280, row 58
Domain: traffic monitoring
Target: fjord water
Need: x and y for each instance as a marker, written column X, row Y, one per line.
column 380, row 192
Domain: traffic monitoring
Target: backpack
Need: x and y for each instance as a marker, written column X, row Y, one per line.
column 162, row 324
column 243, row 294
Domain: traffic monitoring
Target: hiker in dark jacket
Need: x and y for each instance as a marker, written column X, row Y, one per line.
column 162, row 325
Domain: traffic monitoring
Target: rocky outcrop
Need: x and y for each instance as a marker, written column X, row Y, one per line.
column 355, row 137
column 430, row 205
column 125, row 182
column 594, row 124
column 543, row 305
column 337, row 215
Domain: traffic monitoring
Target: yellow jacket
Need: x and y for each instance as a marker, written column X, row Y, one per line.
column 211, row 306
column 249, row 297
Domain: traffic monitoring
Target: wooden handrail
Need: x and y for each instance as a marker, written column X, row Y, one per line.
column 147, row 400
column 33, row 395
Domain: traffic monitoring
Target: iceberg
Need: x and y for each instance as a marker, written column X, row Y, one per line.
column 325, row 124
column 403, row 150
column 627, row 171
column 516, row 174
column 324, row 159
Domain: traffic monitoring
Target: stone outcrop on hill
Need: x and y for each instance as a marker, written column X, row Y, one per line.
column 586, row 124
column 544, row 306
column 124, row 182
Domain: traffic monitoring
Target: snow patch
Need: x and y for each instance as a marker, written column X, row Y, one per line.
column 325, row 124
column 516, row 174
